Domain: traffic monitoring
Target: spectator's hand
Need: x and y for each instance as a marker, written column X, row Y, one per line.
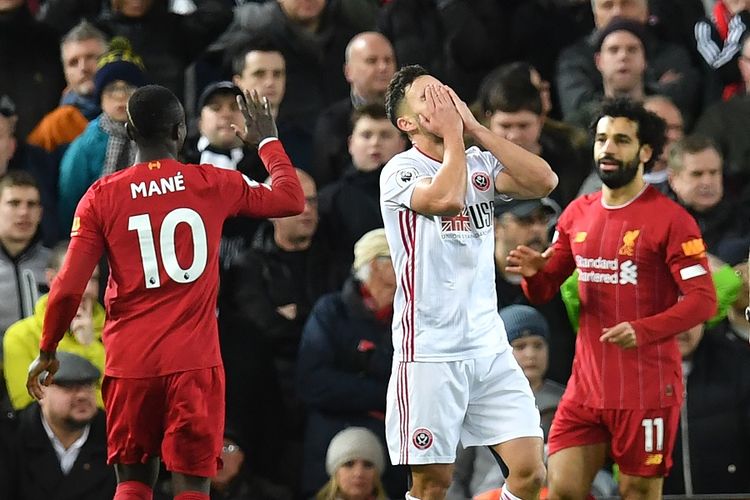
column 621, row 334
column 441, row 117
column 288, row 311
column 41, row 371
column 82, row 325
column 471, row 124
column 526, row 261
column 259, row 122
column 233, row 458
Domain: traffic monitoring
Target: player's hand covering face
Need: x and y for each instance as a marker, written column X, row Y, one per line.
column 259, row 123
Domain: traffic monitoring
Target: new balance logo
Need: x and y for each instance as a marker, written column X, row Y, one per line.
column 628, row 273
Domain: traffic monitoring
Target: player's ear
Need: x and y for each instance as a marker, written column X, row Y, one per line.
column 645, row 152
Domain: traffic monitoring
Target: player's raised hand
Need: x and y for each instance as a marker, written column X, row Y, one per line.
column 471, row 124
column 41, row 372
column 441, row 116
column 621, row 334
column 259, row 122
column 526, row 261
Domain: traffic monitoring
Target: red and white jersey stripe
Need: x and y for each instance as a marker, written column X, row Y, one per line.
column 445, row 308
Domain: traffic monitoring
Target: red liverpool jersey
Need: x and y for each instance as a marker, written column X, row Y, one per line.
column 645, row 263
column 160, row 224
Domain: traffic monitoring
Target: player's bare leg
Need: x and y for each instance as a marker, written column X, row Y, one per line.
column 572, row 470
column 189, row 487
column 640, row 488
column 524, row 458
column 136, row 481
column 430, row 482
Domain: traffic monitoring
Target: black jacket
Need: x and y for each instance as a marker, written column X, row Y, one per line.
column 717, row 411
column 39, row 476
column 342, row 375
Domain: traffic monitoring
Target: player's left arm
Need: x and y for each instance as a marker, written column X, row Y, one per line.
column 85, row 250
column 686, row 258
column 525, row 175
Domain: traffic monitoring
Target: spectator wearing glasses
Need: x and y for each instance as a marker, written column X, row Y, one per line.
column 104, row 147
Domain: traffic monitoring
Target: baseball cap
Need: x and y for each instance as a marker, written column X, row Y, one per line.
column 74, row 369
column 524, row 208
column 523, row 321
column 224, row 87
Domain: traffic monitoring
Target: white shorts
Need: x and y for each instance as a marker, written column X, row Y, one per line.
column 481, row 402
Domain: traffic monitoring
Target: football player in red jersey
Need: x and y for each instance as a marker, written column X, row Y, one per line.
column 642, row 279
column 160, row 222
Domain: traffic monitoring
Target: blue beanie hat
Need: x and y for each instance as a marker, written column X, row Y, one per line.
column 522, row 321
column 119, row 63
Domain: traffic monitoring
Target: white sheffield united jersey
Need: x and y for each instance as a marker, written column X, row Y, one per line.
column 445, row 308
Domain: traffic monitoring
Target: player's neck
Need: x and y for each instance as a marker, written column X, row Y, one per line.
column 432, row 148
column 620, row 196
column 146, row 154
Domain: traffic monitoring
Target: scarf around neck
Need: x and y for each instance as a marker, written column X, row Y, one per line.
column 120, row 149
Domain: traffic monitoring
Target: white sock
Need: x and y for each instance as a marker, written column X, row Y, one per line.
column 507, row 495
column 409, row 497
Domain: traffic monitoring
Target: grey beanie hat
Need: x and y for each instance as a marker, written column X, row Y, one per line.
column 351, row 444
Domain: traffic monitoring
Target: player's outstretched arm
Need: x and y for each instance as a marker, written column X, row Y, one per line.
column 285, row 197
column 445, row 192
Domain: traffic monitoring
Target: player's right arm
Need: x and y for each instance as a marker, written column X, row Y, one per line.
column 85, row 250
column 543, row 272
column 445, row 192
column 285, row 197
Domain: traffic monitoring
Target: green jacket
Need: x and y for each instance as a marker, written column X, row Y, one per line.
column 21, row 347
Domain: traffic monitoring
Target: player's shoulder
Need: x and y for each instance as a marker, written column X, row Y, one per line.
column 584, row 203
column 666, row 207
column 406, row 166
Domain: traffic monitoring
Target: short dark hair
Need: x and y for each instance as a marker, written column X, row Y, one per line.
column 509, row 88
column 397, row 89
column 375, row 111
column 153, row 112
column 241, row 48
column 651, row 128
column 689, row 145
column 18, row 178
column 512, row 97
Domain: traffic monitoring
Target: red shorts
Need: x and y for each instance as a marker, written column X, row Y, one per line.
column 640, row 441
column 178, row 417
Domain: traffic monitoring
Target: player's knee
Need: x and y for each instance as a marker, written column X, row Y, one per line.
column 434, row 482
column 528, row 478
column 569, row 488
column 635, row 488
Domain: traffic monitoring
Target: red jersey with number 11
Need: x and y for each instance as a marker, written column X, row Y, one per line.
column 644, row 263
column 160, row 225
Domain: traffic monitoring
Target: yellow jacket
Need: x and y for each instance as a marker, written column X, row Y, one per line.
column 21, row 347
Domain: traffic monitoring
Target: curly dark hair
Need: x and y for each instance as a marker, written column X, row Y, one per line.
column 652, row 129
column 397, row 88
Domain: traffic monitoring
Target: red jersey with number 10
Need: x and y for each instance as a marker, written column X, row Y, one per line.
column 160, row 224
column 645, row 263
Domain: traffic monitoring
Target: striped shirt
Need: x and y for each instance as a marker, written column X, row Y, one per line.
column 445, row 308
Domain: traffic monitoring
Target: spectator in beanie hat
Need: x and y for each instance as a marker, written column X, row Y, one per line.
column 104, row 147
column 355, row 461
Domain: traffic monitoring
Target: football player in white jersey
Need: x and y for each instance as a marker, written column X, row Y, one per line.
column 454, row 378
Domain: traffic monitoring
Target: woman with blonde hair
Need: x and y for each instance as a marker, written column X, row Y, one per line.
column 354, row 462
